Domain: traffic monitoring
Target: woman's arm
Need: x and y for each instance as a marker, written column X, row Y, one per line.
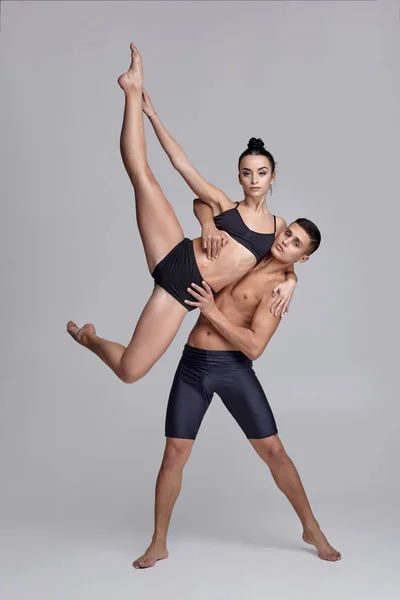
column 212, row 238
column 208, row 193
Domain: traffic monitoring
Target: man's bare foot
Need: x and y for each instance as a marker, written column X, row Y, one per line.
column 133, row 78
column 325, row 551
column 153, row 553
column 80, row 335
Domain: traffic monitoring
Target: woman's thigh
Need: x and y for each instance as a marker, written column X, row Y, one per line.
column 158, row 225
column 157, row 327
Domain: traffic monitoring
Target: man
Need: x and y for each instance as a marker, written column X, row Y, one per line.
column 234, row 328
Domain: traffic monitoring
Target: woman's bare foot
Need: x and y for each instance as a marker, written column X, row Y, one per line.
column 155, row 552
column 133, row 78
column 325, row 551
column 80, row 335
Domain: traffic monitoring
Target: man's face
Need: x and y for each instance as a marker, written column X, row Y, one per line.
column 291, row 245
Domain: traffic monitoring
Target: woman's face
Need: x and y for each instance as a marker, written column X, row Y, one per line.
column 255, row 175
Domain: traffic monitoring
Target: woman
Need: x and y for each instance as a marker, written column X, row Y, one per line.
column 175, row 261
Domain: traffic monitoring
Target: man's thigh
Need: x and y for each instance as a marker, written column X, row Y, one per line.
column 188, row 401
column 243, row 396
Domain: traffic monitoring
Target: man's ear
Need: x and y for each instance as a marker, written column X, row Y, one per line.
column 303, row 259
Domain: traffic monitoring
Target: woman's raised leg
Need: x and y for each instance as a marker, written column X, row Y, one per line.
column 160, row 232
column 158, row 226
column 158, row 325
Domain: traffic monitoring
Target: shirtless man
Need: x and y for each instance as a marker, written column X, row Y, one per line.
column 234, row 328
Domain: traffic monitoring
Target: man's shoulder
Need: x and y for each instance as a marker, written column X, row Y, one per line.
column 268, row 288
column 272, row 282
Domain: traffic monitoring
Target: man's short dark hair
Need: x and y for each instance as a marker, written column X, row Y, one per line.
column 313, row 233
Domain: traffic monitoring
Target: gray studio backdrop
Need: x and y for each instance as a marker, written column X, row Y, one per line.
column 318, row 81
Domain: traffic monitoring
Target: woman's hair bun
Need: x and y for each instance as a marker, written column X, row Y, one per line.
column 256, row 147
column 255, row 143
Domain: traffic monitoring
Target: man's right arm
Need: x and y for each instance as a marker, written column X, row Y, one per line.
column 252, row 340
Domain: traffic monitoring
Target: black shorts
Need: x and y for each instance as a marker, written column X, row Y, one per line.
column 177, row 271
column 230, row 374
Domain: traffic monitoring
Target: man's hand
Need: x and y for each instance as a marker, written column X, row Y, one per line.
column 212, row 240
column 284, row 294
column 204, row 296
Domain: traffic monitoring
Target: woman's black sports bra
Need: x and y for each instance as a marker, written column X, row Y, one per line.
column 258, row 243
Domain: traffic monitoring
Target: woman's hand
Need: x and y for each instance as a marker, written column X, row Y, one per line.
column 284, row 294
column 147, row 106
column 204, row 296
column 212, row 240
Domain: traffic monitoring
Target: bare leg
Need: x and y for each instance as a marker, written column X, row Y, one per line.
column 160, row 232
column 168, row 486
column 154, row 332
column 287, row 479
column 158, row 226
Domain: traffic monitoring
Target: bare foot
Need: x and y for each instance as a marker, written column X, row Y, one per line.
column 153, row 553
column 325, row 551
column 133, row 78
column 80, row 335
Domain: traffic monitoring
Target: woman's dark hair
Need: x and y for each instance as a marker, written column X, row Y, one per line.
column 256, row 147
column 313, row 233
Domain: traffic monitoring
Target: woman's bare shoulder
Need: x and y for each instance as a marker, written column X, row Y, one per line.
column 280, row 224
column 226, row 203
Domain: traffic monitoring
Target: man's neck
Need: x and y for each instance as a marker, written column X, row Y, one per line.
column 272, row 266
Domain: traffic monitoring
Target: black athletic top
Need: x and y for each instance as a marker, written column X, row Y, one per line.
column 258, row 243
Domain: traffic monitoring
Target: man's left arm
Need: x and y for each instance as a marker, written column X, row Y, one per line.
column 249, row 340
column 283, row 293
column 291, row 275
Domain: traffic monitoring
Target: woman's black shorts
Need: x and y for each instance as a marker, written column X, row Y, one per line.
column 177, row 271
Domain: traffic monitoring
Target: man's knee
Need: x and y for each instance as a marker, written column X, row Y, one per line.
column 271, row 449
column 176, row 453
